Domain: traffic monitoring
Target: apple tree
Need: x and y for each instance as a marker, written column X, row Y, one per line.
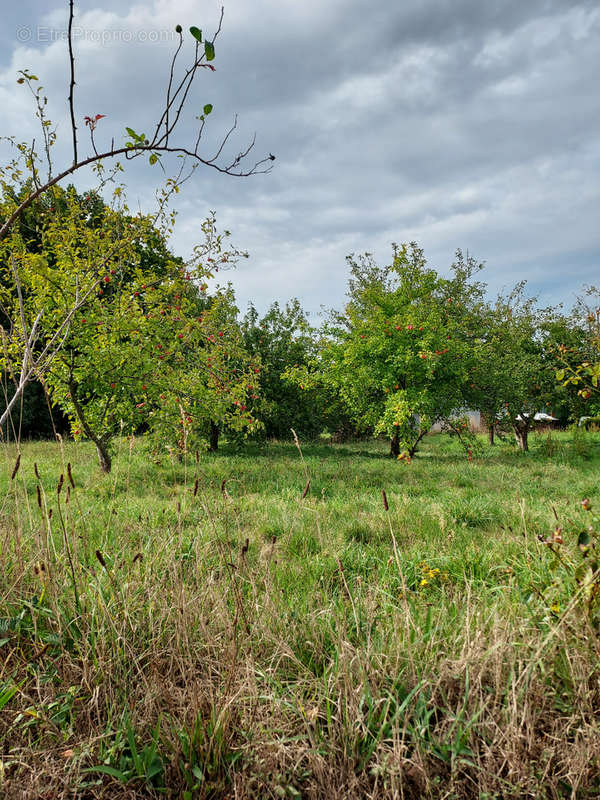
column 284, row 339
column 578, row 356
column 133, row 318
column 102, row 147
column 398, row 354
column 511, row 375
column 216, row 378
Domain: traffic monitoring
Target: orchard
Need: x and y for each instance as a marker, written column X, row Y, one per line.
column 247, row 554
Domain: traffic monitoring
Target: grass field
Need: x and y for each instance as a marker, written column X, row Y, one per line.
column 221, row 628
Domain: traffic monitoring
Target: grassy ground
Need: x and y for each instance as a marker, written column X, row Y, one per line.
column 222, row 629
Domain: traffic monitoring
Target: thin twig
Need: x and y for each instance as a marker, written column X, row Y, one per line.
column 72, row 83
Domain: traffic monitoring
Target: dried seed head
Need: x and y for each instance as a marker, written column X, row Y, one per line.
column 35, row 469
column 223, row 482
column 70, row 474
column 306, row 489
column 16, row 467
column 195, row 487
column 61, row 480
column 39, row 496
column 197, row 457
column 100, row 558
column 385, row 501
column 137, row 557
column 245, row 547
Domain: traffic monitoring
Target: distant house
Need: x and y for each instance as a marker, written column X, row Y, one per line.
column 475, row 421
column 541, row 416
column 474, row 418
column 588, row 422
column 478, row 425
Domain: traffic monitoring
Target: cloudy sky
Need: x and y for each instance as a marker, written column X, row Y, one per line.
column 456, row 123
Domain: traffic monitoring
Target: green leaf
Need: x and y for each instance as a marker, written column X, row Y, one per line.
column 196, row 33
column 560, row 374
column 209, row 51
column 154, row 768
column 104, row 768
column 208, row 108
column 131, row 132
column 153, row 158
column 7, row 692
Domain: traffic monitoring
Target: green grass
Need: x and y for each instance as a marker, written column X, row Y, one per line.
column 201, row 629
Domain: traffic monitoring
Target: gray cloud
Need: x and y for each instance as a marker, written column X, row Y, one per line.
column 459, row 124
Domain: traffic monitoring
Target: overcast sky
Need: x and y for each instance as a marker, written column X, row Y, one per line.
column 456, row 123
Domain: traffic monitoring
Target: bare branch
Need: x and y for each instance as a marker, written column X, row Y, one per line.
column 34, row 176
column 224, row 141
column 72, row 83
column 171, row 75
column 183, row 86
column 113, row 153
column 28, row 364
column 176, row 99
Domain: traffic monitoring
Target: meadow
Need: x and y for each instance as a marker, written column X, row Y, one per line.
column 301, row 621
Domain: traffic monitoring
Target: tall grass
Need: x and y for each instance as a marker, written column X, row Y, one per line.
column 216, row 629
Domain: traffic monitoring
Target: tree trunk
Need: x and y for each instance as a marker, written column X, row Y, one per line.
column 100, row 442
column 521, row 437
column 395, row 446
column 491, row 432
column 412, row 451
column 103, row 456
column 214, row 437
